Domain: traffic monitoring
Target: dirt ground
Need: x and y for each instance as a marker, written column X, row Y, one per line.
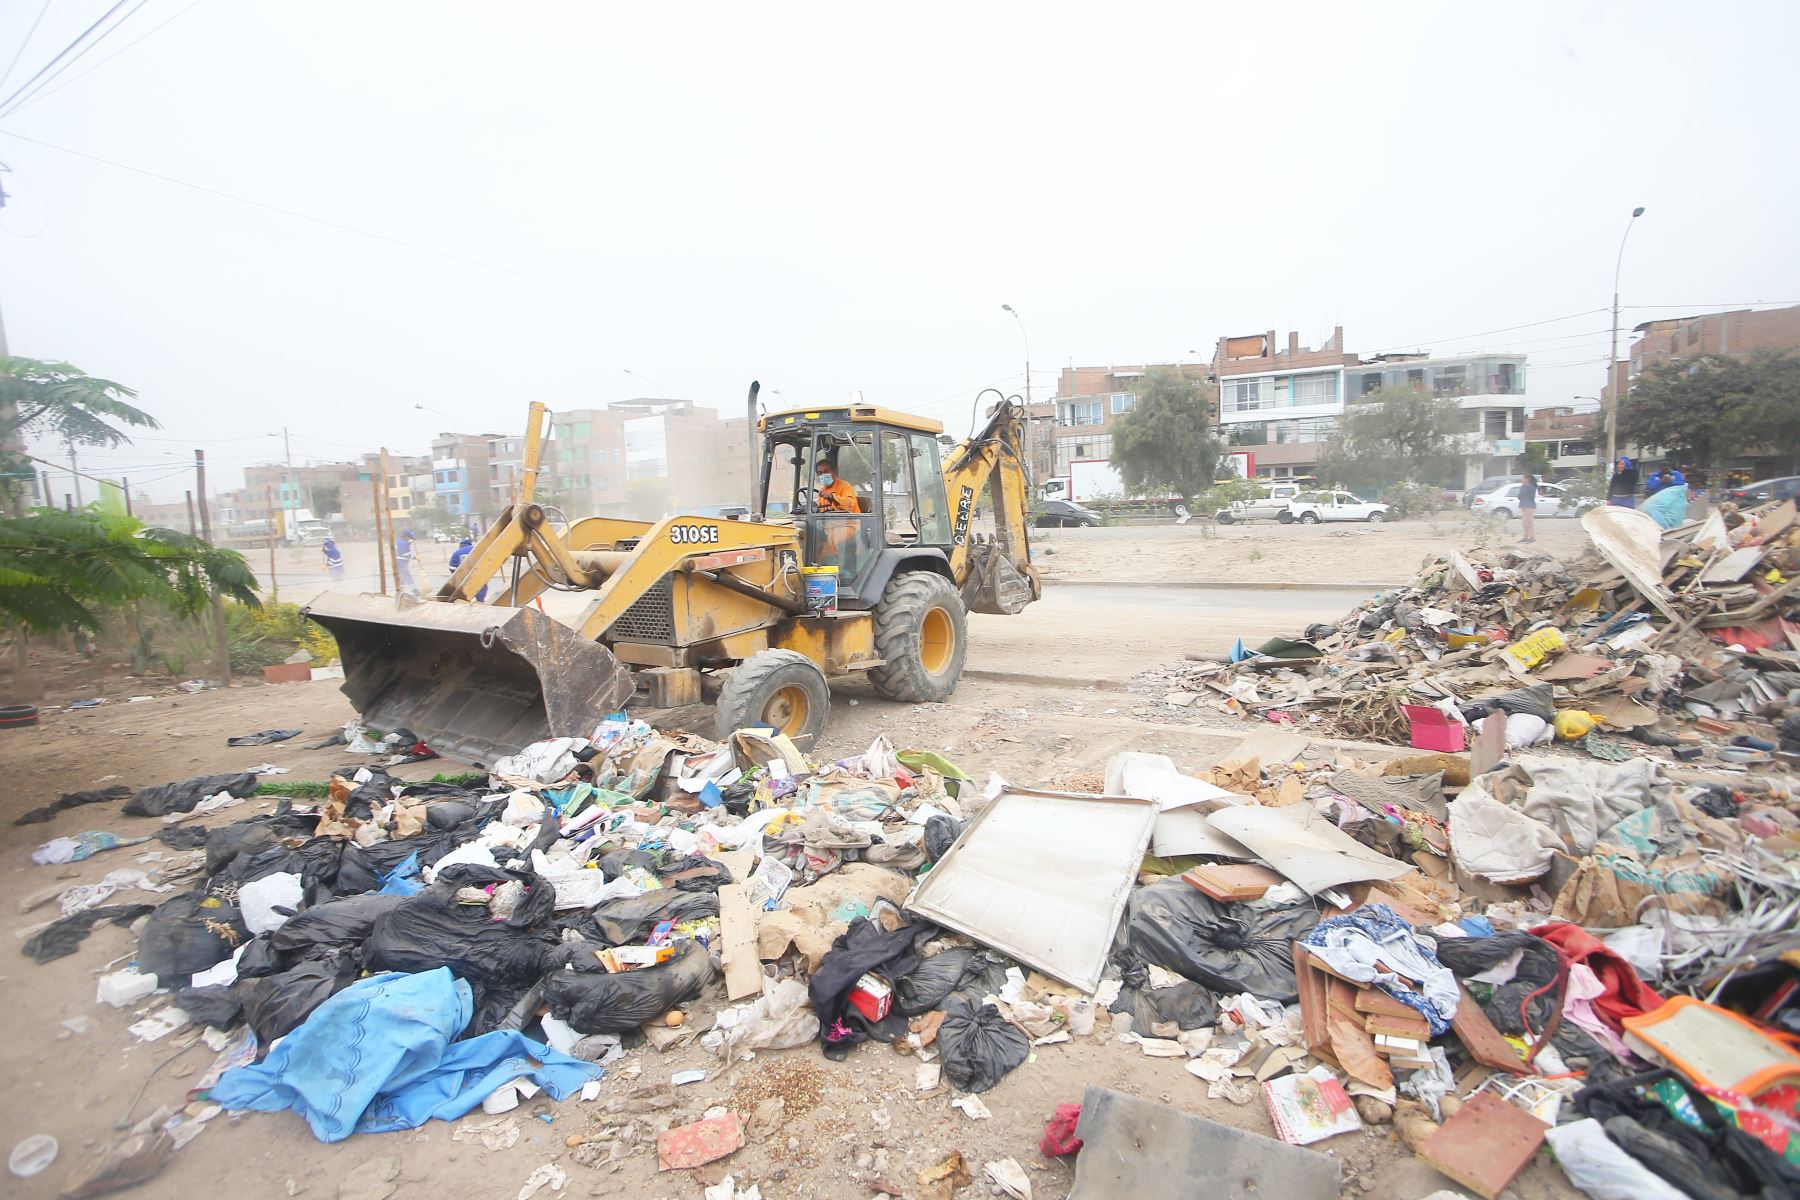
column 1024, row 711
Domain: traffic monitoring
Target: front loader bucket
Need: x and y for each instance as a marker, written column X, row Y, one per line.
column 474, row 681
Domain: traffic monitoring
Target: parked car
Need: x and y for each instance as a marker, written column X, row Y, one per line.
column 1309, row 508
column 1064, row 513
column 1786, row 487
column 1552, row 501
column 1490, row 484
column 1270, row 507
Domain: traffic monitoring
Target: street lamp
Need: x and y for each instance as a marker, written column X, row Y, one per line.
column 1027, row 338
column 648, row 380
column 449, row 425
column 1612, row 358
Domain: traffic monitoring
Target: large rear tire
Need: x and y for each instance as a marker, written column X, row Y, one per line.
column 922, row 633
column 1309, row 518
column 782, row 689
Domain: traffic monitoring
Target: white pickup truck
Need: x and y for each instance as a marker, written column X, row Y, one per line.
column 1272, row 506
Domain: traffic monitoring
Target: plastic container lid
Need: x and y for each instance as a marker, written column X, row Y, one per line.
column 32, row 1155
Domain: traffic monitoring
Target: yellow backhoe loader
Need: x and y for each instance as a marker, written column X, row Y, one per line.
column 693, row 607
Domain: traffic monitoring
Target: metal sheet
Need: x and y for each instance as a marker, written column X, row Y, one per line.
column 1043, row 877
column 1305, row 846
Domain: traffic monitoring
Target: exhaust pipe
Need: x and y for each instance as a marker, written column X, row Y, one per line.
column 756, row 513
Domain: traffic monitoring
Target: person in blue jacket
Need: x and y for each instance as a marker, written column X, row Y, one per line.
column 463, row 548
column 334, row 559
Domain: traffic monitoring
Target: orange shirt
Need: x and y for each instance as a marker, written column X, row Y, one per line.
column 838, row 497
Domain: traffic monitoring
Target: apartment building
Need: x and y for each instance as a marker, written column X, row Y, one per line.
column 1278, row 406
column 1571, row 440
column 459, row 474
column 1733, row 334
column 1076, row 424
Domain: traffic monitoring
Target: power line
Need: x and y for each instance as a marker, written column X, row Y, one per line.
column 82, row 53
column 43, row 93
column 60, row 54
column 20, row 52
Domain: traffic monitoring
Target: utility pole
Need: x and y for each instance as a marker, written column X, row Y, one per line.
column 221, row 640
column 274, row 581
column 125, row 486
column 74, row 474
column 384, row 541
column 190, row 499
column 292, row 483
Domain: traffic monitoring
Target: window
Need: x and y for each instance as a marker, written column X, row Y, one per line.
column 928, row 473
column 1242, row 395
column 1518, row 420
column 1315, row 389
column 1550, row 450
column 1371, row 381
column 1080, row 412
column 1123, row 402
column 899, row 499
column 1250, row 433
column 1572, row 447
column 600, row 484
column 1452, row 381
column 1495, row 423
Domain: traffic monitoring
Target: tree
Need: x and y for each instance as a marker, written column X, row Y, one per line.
column 55, row 400
column 1395, row 435
column 1710, row 408
column 1166, row 441
column 1537, row 460
column 327, row 498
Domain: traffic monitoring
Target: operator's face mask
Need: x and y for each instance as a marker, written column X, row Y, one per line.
column 826, row 479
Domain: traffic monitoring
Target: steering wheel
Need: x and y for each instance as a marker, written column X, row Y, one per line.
column 803, row 499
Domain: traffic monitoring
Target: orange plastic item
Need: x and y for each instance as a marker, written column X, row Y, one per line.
column 1715, row 1047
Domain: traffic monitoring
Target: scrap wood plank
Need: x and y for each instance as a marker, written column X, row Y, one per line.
column 737, row 933
column 1733, row 566
column 1352, row 1045
column 1481, row 1039
column 1393, row 1025
column 1312, row 985
column 1374, row 1000
column 1485, row 1144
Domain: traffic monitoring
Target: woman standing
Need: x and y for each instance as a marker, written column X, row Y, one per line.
column 1528, row 508
column 1621, row 490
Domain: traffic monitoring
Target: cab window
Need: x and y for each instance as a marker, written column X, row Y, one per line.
column 928, row 476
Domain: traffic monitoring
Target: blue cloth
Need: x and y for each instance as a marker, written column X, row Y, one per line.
column 1622, row 501
column 456, row 560
column 378, row 1056
column 1669, row 506
column 1353, row 943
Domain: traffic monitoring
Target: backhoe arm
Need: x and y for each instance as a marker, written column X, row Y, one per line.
column 995, row 576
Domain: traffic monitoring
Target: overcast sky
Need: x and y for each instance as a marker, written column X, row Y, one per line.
column 837, row 197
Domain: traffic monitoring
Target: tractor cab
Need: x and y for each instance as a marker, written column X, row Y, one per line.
column 866, row 488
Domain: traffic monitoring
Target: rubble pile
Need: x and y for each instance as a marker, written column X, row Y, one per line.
column 1683, row 641
column 1475, row 945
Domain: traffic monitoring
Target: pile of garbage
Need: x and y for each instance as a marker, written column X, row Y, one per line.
column 1682, row 640
column 1483, row 957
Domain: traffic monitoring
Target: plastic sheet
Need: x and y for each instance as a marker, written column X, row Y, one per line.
column 1224, row 947
column 187, row 934
column 631, row 919
column 219, row 1007
column 980, row 1047
column 180, row 797
column 62, row 936
column 276, row 1005
column 432, row 930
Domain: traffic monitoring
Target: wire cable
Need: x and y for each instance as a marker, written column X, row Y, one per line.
column 42, row 93
column 20, row 52
column 61, row 54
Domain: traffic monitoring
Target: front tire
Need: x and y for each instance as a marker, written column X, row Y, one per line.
column 1310, row 518
column 1501, row 514
column 922, row 633
column 1285, row 518
column 1376, row 518
column 1225, row 518
column 782, row 689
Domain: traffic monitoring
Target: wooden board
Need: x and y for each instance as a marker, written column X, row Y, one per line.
column 1351, row 1044
column 1232, row 881
column 1485, row 1144
column 737, row 936
column 1481, row 1039
column 1314, row 1003
column 1414, row 1026
column 1374, row 1000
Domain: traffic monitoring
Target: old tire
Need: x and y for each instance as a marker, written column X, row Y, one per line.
column 779, row 688
column 1225, row 518
column 922, row 633
column 1284, row 517
column 1501, row 514
column 1309, row 518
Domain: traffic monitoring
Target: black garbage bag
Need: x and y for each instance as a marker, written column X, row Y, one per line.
column 618, row 862
column 631, row 919
column 64, row 934
column 189, row 933
column 73, row 800
column 432, row 930
column 182, row 837
column 256, row 834
column 1228, row 948
column 263, row 737
column 217, row 1006
column 1717, row 1162
column 578, row 954
column 941, row 833
column 336, row 924
column 275, row 1005
column 362, row 868
column 926, row 986
column 166, row 798
column 1535, row 700
column 864, row 948
column 603, row 1002
column 314, row 860
column 448, row 814
column 1190, row 1005
column 980, row 1046
column 714, row 876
